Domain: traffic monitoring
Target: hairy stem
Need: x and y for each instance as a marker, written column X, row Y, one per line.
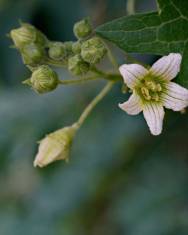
column 93, row 103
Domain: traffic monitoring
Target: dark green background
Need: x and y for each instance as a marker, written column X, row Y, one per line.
column 120, row 179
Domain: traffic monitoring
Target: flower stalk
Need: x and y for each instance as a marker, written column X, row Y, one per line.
column 94, row 102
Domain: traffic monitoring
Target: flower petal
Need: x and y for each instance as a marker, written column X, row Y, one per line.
column 176, row 97
column 168, row 66
column 132, row 106
column 132, row 72
column 154, row 114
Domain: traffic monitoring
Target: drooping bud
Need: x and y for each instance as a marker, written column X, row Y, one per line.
column 55, row 146
column 83, row 28
column 77, row 65
column 93, row 50
column 57, row 50
column 27, row 34
column 43, row 79
column 76, row 47
column 33, row 54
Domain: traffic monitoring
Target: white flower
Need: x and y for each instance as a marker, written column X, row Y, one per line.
column 153, row 89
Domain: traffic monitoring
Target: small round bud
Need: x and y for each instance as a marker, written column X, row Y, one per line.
column 33, row 54
column 77, row 66
column 83, row 28
column 76, row 47
column 93, row 50
column 57, row 50
column 68, row 48
column 43, row 79
column 55, row 146
column 27, row 34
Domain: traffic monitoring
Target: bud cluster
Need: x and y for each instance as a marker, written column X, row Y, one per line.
column 87, row 51
column 38, row 52
column 30, row 42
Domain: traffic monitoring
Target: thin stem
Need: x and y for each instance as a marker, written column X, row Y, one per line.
column 131, row 7
column 112, row 58
column 102, row 75
column 97, row 71
column 60, row 64
column 78, row 80
column 93, row 103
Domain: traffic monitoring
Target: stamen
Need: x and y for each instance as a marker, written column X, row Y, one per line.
column 151, row 85
column 159, row 88
column 145, row 93
column 155, row 97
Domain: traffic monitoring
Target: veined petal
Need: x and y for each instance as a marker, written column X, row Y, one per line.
column 168, row 66
column 154, row 114
column 132, row 106
column 131, row 73
column 176, row 97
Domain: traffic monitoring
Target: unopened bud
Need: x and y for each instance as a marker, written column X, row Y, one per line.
column 33, row 54
column 43, row 79
column 68, row 48
column 77, row 66
column 27, row 34
column 76, row 47
column 55, row 146
column 83, row 28
column 93, row 50
column 56, row 50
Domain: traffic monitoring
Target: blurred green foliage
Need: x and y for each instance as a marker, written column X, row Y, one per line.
column 120, row 179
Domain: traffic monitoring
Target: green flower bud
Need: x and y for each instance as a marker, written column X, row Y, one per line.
column 68, row 48
column 77, row 66
column 76, row 47
column 57, row 50
column 93, row 50
column 55, row 146
column 27, row 34
column 43, row 79
column 83, row 28
column 33, row 54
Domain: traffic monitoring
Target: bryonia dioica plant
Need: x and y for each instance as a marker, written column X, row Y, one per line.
column 163, row 33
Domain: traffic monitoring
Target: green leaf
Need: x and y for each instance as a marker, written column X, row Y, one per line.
column 157, row 33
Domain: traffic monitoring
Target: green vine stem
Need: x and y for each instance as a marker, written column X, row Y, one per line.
column 106, row 76
column 131, row 7
column 93, row 103
column 60, row 64
column 78, row 80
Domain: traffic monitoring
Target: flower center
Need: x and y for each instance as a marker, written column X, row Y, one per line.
column 150, row 88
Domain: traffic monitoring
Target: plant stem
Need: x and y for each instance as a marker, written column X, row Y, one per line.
column 60, row 64
column 102, row 75
column 112, row 58
column 131, row 7
column 93, row 103
column 78, row 80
